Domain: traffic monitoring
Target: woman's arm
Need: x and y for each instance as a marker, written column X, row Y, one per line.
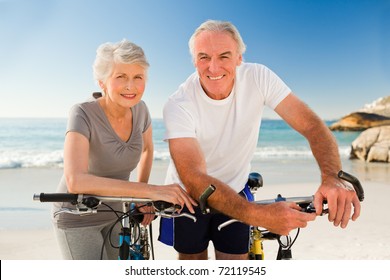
column 144, row 168
column 145, row 164
column 78, row 179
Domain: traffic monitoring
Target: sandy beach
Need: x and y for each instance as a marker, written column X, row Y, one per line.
column 27, row 234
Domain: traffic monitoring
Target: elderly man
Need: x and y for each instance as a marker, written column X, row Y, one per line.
column 212, row 126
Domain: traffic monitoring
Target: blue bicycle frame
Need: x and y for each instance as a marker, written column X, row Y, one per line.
column 130, row 237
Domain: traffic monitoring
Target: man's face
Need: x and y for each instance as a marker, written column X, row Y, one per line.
column 216, row 58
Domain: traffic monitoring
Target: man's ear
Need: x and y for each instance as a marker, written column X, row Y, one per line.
column 239, row 60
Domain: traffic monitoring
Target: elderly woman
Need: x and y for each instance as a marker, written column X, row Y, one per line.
column 106, row 139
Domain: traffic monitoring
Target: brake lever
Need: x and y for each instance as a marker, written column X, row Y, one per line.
column 176, row 215
column 80, row 212
column 311, row 209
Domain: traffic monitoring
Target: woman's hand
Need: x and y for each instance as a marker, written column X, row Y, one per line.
column 147, row 218
column 175, row 194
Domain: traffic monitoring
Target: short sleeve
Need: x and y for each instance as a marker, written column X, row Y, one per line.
column 148, row 118
column 273, row 87
column 78, row 121
column 179, row 123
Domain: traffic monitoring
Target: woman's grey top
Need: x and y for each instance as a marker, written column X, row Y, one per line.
column 109, row 156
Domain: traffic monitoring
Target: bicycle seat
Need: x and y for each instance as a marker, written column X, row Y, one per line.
column 255, row 181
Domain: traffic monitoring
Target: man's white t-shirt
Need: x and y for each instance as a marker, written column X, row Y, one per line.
column 227, row 130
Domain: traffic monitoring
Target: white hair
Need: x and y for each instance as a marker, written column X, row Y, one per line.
column 217, row 26
column 108, row 54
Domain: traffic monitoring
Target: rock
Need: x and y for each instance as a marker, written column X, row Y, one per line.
column 360, row 121
column 372, row 144
column 378, row 153
column 380, row 106
column 371, row 115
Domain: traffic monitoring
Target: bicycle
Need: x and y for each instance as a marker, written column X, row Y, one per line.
column 258, row 235
column 133, row 238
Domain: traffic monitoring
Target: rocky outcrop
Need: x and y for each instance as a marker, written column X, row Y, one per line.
column 372, row 145
column 359, row 121
column 371, row 115
column 380, row 106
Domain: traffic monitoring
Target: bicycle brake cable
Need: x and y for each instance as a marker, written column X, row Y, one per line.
column 290, row 242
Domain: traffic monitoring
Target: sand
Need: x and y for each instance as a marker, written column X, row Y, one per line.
column 27, row 235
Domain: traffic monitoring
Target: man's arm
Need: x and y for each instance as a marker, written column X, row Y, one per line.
column 189, row 161
column 325, row 150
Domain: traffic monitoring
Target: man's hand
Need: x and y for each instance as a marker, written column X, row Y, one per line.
column 283, row 217
column 340, row 197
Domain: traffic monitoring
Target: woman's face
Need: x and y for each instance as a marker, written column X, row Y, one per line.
column 126, row 85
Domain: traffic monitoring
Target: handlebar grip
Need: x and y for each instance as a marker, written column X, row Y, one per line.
column 203, row 199
column 57, row 197
column 161, row 205
column 355, row 183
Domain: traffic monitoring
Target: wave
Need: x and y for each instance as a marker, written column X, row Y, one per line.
column 162, row 155
column 279, row 152
column 24, row 159
column 276, row 152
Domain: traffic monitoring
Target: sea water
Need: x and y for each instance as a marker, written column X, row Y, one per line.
column 27, row 143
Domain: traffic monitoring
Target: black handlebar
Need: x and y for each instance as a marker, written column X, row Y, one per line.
column 355, row 183
column 57, row 197
column 254, row 182
column 203, row 199
column 91, row 201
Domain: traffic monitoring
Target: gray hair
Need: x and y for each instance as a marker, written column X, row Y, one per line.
column 217, row 26
column 108, row 54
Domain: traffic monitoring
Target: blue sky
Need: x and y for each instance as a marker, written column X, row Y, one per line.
column 334, row 54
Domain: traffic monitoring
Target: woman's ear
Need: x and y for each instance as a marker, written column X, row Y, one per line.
column 102, row 86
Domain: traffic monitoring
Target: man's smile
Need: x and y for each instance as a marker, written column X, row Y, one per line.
column 216, row 77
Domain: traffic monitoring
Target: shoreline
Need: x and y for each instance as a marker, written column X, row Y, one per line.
column 26, row 231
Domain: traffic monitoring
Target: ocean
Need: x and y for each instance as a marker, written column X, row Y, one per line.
column 28, row 143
